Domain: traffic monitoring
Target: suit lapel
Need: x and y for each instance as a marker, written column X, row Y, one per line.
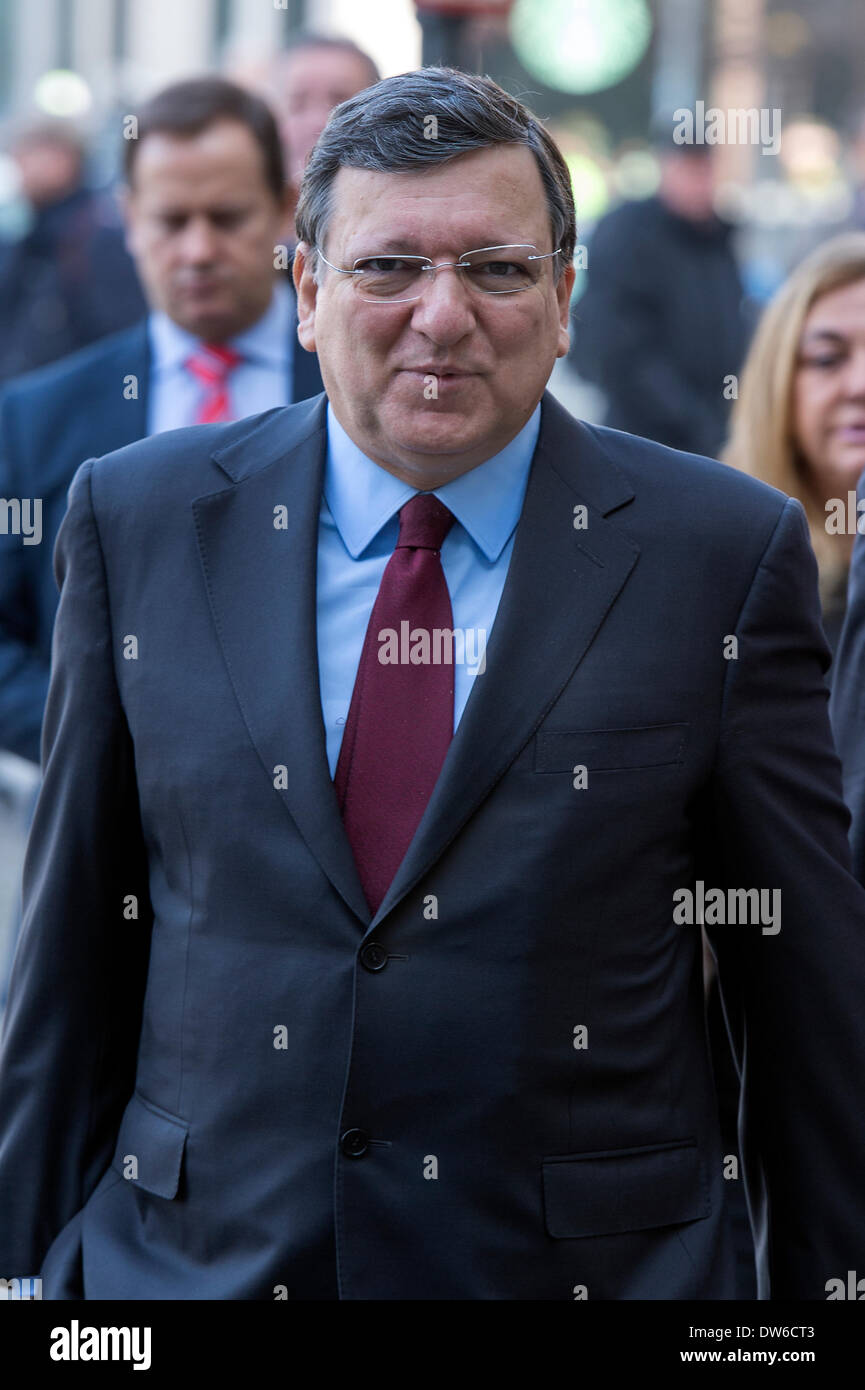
column 261, row 586
column 560, row 586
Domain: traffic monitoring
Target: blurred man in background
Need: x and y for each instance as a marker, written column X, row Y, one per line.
column 204, row 207
column 69, row 280
column 311, row 76
column 661, row 328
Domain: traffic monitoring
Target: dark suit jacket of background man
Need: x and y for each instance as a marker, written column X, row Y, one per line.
column 253, row 1084
column 50, row 421
column 659, row 328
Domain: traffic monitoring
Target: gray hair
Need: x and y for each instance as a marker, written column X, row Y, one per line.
column 384, row 128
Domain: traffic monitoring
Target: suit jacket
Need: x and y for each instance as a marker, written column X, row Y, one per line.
column 220, row 1076
column 50, row 421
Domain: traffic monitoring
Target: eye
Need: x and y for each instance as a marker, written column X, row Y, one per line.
column 382, row 265
column 826, row 361
column 497, row 276
column 231, row 217
column 502, row 269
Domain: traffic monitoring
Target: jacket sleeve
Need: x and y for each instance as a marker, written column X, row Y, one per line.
column 847, row 703
column 69, row 1042
column 23, row 669
column 794, row 997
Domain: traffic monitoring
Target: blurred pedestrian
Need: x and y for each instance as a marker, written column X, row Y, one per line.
column 69, row 280
column 661, row 326
column 799, row 421
column 799, row 424
column 312, row 75
column 204, row 207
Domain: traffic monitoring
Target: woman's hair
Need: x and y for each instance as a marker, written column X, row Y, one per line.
column 762, row 440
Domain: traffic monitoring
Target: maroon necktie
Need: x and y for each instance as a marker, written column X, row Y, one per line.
column 401, row 719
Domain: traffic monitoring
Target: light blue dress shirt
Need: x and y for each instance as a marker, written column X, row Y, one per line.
column 258, row 383
column 358, row 530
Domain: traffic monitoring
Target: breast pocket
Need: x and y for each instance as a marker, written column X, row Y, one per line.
column 609, row 1193
column 610, row 750
column 150, row 1147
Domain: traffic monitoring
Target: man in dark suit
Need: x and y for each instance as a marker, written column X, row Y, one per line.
column 662, row 330
column 205, row 206
column 398, row 743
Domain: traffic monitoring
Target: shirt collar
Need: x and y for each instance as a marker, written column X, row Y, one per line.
column 486, row 501
column 265, row 341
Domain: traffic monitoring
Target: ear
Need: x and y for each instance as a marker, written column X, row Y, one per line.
column 307, row 294
column 563, row 297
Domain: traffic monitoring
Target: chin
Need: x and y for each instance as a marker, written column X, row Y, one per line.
column 457, row 438
column 212, row 326
column 420, row 430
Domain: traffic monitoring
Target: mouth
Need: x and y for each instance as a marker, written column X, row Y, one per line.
column 851, row 434
column 442, row 373
column 196, row 288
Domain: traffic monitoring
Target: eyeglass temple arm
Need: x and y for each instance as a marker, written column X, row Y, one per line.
column 338, row 268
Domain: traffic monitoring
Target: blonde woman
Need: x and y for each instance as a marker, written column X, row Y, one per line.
column 799, row 421
column 799, row 424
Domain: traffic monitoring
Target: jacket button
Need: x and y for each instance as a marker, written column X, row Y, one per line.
column 373, row 956
column 354, row 1143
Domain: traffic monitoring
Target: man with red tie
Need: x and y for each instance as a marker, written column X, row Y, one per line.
column 357, row 959
column 205, row 205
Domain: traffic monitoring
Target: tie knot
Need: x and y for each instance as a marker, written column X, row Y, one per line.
column 424, row 522
column 212, row 362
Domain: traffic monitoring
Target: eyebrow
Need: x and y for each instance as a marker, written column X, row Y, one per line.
column 389, row 243
column 217, row 210
column 815, row 334
column 408, row 245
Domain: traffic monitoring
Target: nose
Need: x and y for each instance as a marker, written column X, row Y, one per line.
column 854, row 374
column 198, row 243
column 445, row 311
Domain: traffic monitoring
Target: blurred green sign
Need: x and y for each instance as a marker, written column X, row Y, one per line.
column 580, row 45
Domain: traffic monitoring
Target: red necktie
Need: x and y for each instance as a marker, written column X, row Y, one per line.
column 401, row 719
column 210, row 366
